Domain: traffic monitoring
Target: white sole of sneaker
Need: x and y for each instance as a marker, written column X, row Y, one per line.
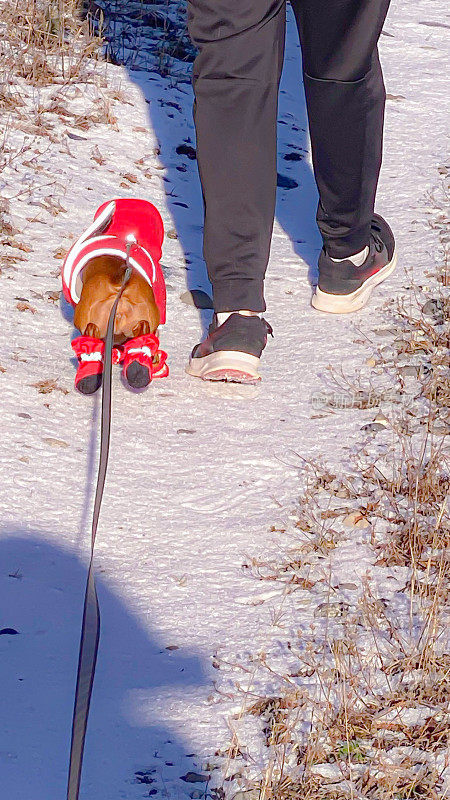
column 345, row 304
column 226, row 365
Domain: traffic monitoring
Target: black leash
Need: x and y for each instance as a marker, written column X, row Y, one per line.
column 90, row 628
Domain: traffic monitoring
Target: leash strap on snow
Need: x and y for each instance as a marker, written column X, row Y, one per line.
column 90, row 628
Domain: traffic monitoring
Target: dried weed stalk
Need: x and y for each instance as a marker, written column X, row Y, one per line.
column 364, row 709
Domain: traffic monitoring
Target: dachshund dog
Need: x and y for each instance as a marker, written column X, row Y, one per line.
column 137, row 312
column 124, row 232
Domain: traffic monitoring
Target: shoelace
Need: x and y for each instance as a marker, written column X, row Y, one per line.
column 379, row 244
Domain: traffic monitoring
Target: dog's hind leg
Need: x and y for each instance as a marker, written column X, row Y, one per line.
column 139, row 354
column 91, row 330
column 142, row 328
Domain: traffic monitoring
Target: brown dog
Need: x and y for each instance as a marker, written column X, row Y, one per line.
column 137, row 312
column 124, row 232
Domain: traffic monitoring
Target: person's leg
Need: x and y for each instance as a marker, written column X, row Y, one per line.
column 345, row 99
column 235, row 78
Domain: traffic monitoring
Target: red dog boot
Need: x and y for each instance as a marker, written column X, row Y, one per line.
column 89, row 352
column 160, row 368
column 141, row 360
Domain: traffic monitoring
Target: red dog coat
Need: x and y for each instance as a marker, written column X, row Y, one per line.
column 115, row 225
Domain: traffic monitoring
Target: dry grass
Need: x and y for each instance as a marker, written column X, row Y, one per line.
column 44, row 41
column 364, row 709
column 53, row 88
column 148, row 36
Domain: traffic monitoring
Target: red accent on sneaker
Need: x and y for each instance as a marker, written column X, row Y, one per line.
column 374, row 271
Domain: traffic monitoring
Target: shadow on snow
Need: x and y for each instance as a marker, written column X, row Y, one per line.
column 41, row 597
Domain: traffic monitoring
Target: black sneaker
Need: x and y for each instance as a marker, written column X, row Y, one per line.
column 231, row 351
column 343, row 287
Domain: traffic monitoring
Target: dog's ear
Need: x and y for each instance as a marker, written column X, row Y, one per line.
column 92, row 330
column 141, row 329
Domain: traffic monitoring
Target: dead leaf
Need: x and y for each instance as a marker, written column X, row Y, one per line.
column 48, row 385
column 194, row 777
column 24, row 306
column 54, row 442
column 355, row 520
column 25, row 248
column 71, row 135
column 97, row 156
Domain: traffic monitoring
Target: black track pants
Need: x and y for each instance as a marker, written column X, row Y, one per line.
column 236, row 77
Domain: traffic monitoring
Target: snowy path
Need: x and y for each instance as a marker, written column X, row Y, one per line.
column 198, row 474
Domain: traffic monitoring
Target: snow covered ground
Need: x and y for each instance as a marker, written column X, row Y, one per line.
column 198, row 473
